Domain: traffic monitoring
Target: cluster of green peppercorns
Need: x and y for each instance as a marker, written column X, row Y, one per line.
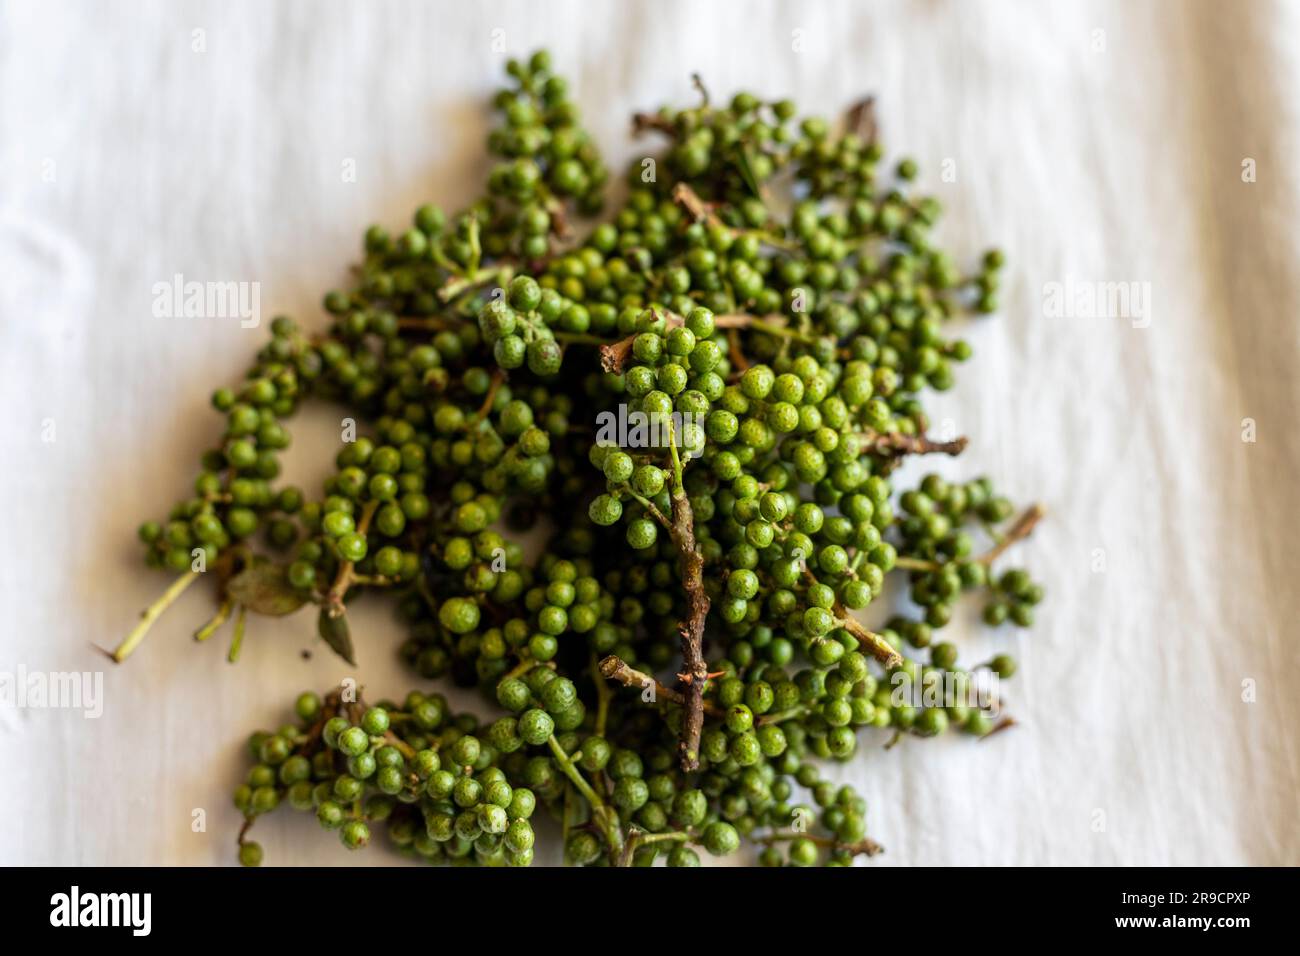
column 773, row 366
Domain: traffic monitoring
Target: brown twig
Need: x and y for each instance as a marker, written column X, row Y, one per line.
column 559, row 220
column 1023, row 527
column 690, row 200
column 344, row 579
column 861, row 119
column 653, row 121
column 330, row 707
column 498, row 379
column 895, row 444
column 613, row 357
column 870, row 641
column 738, row 360
column 615, row 668
column 694, row 671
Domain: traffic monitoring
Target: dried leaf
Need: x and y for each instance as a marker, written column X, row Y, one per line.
column 337, row 634
column 264, row 588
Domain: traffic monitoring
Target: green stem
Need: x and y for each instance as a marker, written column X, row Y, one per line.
column 520, row 669
column 651, row 508
column 678, row 836
column 405, row 749
column 375, row 580
column 151, row 614
column 207, row 630
column 605, row 818
column 237, row 641
column 581, row 338
column 475, row 279
column 915, row 564
column 603, row 696
column 475, row 247
column 776, row 242
column 778, row 716
column 566, row 814
column 639, row 838
column 574, row 775
column 440, row 258
column 678, row 481
column 780, row 331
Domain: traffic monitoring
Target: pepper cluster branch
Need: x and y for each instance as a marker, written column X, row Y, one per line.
column 754, row 285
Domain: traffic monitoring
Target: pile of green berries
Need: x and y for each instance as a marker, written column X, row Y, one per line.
column 420, row 773
column 695, row 414
column 233, row 496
